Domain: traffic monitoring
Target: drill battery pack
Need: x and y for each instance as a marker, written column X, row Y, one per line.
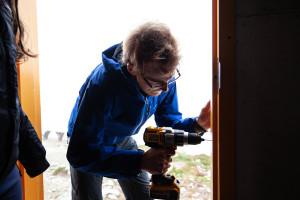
column 164, row 186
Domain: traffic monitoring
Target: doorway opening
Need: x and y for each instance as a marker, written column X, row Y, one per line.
column 70, row 45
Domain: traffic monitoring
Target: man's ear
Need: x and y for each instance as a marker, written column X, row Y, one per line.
column 130, row 69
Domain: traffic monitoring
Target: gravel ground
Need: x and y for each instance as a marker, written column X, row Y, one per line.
column 57, row 183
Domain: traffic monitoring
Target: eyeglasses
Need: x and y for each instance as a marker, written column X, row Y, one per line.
column 160, row 84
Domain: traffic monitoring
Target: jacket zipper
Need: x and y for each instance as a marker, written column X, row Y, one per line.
column 145, row 110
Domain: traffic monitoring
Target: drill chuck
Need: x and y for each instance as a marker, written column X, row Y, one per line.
column 181, row 138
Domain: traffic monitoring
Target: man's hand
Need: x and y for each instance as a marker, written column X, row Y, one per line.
column 204, row 118
column 157, row 160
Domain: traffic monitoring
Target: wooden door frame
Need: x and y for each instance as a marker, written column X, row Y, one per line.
column 29, row 92
column 223, row 104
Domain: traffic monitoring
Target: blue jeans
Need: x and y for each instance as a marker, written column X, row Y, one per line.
column 87, row 186
column 11, row 186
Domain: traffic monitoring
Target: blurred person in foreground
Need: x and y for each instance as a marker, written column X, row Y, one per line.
column 136, row 79
column 19, row 140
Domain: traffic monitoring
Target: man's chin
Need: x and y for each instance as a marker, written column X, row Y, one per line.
column 155, row 93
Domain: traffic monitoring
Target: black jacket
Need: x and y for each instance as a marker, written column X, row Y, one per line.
column 18, row 139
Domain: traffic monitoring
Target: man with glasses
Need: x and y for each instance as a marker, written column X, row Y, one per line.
column 135, row 80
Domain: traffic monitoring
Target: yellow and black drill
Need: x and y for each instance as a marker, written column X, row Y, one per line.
column 166, row 186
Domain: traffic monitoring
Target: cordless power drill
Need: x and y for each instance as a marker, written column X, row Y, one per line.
column 166, row 186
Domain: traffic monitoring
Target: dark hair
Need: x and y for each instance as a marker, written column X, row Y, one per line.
column 19, row 32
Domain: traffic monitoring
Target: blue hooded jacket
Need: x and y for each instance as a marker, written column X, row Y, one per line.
column 110, row 107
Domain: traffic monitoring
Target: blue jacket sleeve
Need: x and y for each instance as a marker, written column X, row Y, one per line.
column 32, row 153
column 88, row 150
column 168, row 114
